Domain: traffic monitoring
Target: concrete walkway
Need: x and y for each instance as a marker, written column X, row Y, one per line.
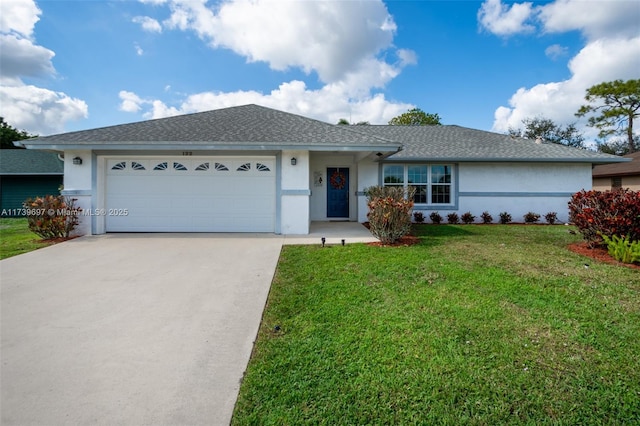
column 137, row 329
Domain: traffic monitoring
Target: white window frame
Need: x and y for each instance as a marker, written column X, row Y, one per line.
column 405, row 181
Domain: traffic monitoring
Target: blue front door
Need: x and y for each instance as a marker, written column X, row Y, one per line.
column 337, row 192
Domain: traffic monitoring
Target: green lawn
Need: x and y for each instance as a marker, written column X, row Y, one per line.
column 475, row 325
column 15, row 238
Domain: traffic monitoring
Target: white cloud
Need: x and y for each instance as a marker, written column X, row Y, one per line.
column 34, row 109
column 556, row 51
column 500, row 19
column 130, row 101
column 599, row 61
column 329, row 103
column 148, row 24
column 19, row 16
column 595, row 19
column 21, row 58
column 344, row 42
column 39, row 111
column 611, row 51
column 333, row 39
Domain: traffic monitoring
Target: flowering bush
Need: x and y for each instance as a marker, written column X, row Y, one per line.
column 418, row 217
column 505, row 218
column 389, row 212
column 467, row 218
column 486, row 217
column 607, row 213
column 551, row 218
column 435, row 218
column 531, row 217
column 453, row 218
column 51, row 216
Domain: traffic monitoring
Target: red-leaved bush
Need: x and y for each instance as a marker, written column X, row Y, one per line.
column 609, row 213
column 389, row 212
column 52, row 216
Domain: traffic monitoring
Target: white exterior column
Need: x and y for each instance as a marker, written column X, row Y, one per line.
column 294, row 193
column 78, row 184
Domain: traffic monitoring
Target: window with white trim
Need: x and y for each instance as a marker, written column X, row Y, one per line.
column 433, row 182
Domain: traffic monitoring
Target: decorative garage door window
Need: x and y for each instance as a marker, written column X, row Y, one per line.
column 122, row 165
column 196, row 166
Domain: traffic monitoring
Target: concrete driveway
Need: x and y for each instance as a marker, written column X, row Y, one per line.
column 131, row 329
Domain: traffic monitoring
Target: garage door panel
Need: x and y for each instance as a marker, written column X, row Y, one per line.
column 201, row 198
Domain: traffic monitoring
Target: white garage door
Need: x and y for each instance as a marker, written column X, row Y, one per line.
column 190, row 194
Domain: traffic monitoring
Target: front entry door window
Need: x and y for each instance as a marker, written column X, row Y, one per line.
column 338, row 192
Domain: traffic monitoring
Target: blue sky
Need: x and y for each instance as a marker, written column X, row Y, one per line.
column 73, row 65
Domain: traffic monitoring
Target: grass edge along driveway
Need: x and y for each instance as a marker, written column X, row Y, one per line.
column 15, row 238
column 475, row 325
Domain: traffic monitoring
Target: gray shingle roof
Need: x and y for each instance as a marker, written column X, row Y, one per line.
column 29, row 162
column 455, row 143
column 243, row 127
column 253, row 127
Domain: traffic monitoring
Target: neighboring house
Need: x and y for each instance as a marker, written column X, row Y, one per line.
column 619, row 175
column 256, row 169
column 26, row 173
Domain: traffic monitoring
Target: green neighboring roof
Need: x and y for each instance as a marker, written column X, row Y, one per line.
column 29, row 162
column 619, row 169
column 455, row 143
column 249, row 127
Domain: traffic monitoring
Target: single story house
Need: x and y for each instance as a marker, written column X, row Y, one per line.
column 256, row 169
column 25, row 173
column 618, row 175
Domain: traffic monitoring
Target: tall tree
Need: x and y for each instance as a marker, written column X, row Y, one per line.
column 546, row 129
column 416, row 117
column 9, row 134
column 614, row 104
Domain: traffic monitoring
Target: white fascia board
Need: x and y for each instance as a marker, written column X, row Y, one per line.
column 172, row 146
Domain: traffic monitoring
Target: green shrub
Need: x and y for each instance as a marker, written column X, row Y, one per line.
column 623, row 249
column 505, row 218
column 551, row 218
column 435, row 218
column 51, row 216
column 418, row 217
column 453, row 218
column 467, row 218
column 609, row 213
column 486, row 217
column 531, row 217
column 389, row 212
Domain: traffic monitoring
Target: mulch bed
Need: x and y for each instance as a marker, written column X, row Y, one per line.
column 600, row 254
column 406, row 241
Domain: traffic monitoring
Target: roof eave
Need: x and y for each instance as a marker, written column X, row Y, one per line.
column 208, row 146
column 505, row 160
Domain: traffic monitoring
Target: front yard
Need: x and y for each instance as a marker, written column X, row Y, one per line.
column 474, row 325
column 15, row 238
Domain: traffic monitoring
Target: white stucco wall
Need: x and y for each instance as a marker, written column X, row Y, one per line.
column 519, row 188
column 367, row 176
column 78, row 184
column 295, row 193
